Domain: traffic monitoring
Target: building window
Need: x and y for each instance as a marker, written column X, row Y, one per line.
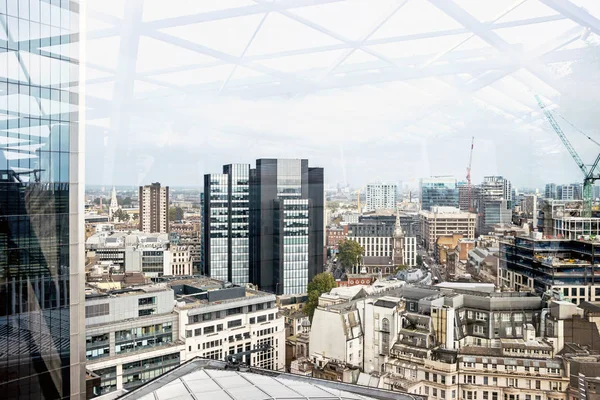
column 234, row 323
column 146, row 301
column 234, row 311
column 97, row 310
column 209, row 329
column 188, row 334
column 147, row 311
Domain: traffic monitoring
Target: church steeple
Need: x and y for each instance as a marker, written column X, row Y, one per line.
column 114, row 204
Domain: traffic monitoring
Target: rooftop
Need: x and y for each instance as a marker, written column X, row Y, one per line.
column 199, row 378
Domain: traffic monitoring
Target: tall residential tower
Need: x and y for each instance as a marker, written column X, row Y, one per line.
column 381, row 196
column 154, row 208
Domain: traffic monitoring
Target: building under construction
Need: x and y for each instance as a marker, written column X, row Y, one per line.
column 563, row 219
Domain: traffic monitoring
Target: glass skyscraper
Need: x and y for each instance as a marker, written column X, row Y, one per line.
column 439, row 191
column 42, row 324
column 264, row 225
column 286, row 224
column 226, row 218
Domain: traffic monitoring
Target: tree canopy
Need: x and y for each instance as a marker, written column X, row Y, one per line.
column 419, row 260
column 121, row 215
column 400, row 267
column 321, row 283
column 350, row 253
column 175, row 213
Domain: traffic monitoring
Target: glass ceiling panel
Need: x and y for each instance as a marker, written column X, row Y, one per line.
column 485, row 10
column 528, row 9
column 416, row 17
column 532, row 36
column 280, row 33
column 336, row 16
column 160, row 9
column 230, row 35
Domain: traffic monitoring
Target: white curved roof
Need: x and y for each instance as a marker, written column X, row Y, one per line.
column 234, row 385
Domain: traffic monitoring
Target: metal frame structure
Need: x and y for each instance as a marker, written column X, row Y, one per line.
column 466, row 71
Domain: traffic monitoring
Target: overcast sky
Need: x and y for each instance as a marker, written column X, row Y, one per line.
column 167, row 104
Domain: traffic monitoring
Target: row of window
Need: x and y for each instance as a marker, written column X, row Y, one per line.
column 194, row 319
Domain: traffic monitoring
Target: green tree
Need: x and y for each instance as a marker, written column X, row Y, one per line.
column 121, row 215
column 350, row 253
column 175, row 213
column 400, row 267
column 419, row 260
column 321, row 283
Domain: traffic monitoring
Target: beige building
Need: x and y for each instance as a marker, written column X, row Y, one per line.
column 449, row 345
column 445, row 221
column 154, row 208
column 180, row 262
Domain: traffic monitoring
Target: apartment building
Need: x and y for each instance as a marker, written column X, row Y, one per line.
column 443, row 344
column 381, row 196
column 154, row 208
column 445, row 221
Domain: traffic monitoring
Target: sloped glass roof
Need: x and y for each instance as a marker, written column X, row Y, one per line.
column 207, row 379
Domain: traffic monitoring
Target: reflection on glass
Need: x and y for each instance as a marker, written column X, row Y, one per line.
column 38, row 79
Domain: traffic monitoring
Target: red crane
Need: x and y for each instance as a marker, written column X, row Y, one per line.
column 469, row 174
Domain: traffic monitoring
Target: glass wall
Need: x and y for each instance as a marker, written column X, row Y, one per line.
column 38, row 128
column 439, row 191
column 239, row 214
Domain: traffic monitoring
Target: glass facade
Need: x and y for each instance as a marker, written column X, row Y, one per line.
column 226, row 231
column 439, row 191
column 291, row 250
column 239, row 210
column 40, row 290
column 216, row 225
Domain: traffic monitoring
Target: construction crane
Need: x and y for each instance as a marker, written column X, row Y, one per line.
column 589, row 175
column 469, row 174
column 358, row 192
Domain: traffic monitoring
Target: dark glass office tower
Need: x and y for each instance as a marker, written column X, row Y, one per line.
column 286, row 224
column 42, row 351
column 226, row 219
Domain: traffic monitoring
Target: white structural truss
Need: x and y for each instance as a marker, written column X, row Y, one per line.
column 494, row 52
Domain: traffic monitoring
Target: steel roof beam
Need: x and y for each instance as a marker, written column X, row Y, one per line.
column 575, row 13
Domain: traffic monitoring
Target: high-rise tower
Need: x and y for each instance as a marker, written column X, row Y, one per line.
column 286, row 224
column 225, row 227
column 42, row 314
column 154, row 208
